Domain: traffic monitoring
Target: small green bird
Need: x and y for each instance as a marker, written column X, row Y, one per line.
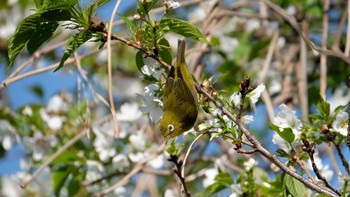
column 180, row 102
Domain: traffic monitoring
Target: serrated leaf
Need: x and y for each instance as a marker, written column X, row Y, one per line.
column 139, row 60
column 286, row 133
column 165, row 51
column 23, row 34
column 41, row 34
column 294, row 187
column 73, row 44
column 183, row 28
column 129, row 24
column 56, row 15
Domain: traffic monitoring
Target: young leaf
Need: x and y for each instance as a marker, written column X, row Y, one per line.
column 224, row 177
column 23, row 34
column 286, row 134
column 42, row 33
column 213, row 188
column 324, row 108
column 129, row 24
column 59, row 177
column 183, row 28
column 139, row 60
column 73, row 44
column 165, row 51
column 295, row 187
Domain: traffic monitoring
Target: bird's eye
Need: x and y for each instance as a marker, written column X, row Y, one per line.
column 171, row 128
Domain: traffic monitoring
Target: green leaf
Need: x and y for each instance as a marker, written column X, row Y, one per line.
column 224, row 177
column 183, row 28
column 294, row 187
column 324, row 108
column 172, row 149
column 129, row 24
column 165, row 51
column 42, row 34
column 139, row 60
column 73, row 44
column 56, row 15
column 286, row 134
column 59, row 177
column 215, row 187
column 42, row 5
column 23, row 34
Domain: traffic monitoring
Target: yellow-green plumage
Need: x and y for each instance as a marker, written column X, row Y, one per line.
column 180, row 103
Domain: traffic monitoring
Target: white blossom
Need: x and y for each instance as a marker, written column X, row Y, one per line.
column 138, row 141
column 57, row 104
column 236, row 190
column 27, row 111
column 151, row 104
column 247, row 119
column 152, row 71
column 255, row 94
column 169, row 193
column 129, row 112
column 340, row 124
column 248, row 165
column 235, row 98
column 286, row 118
column 252, row 25
column 39, row 145
column 120, row 162
column 324, row 169
column 104, row 141
column 54, row 122
column 210, row 175
column 171, row 4
column 94, row 170
column 158, row 162
column 8, row 135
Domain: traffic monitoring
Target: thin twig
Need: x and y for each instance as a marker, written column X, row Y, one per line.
column 310, row 149
column 67, row 145
column 273, row 158
column 347, row 46
column 323, row 66
column 137, row 168
column 292, row 21
column 188, row 153
column 109, row 62
column 301, row 72
column 177, row 171
column 70, row 60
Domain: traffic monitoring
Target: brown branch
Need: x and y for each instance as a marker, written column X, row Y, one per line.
column 323, row 66
column 293, row 22
column 310, row 149
column 177, row 170
column 273, row 158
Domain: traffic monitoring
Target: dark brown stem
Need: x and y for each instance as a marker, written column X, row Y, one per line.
column 310, row 149
column 177, row 171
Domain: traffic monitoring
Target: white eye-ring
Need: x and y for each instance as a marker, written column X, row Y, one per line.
column 171, row 128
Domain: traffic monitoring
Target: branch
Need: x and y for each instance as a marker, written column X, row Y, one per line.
column 273, row 158
column 177, row 170
column 310, row 149
column 137, row 168
column 293, row 22
column 109, row 66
